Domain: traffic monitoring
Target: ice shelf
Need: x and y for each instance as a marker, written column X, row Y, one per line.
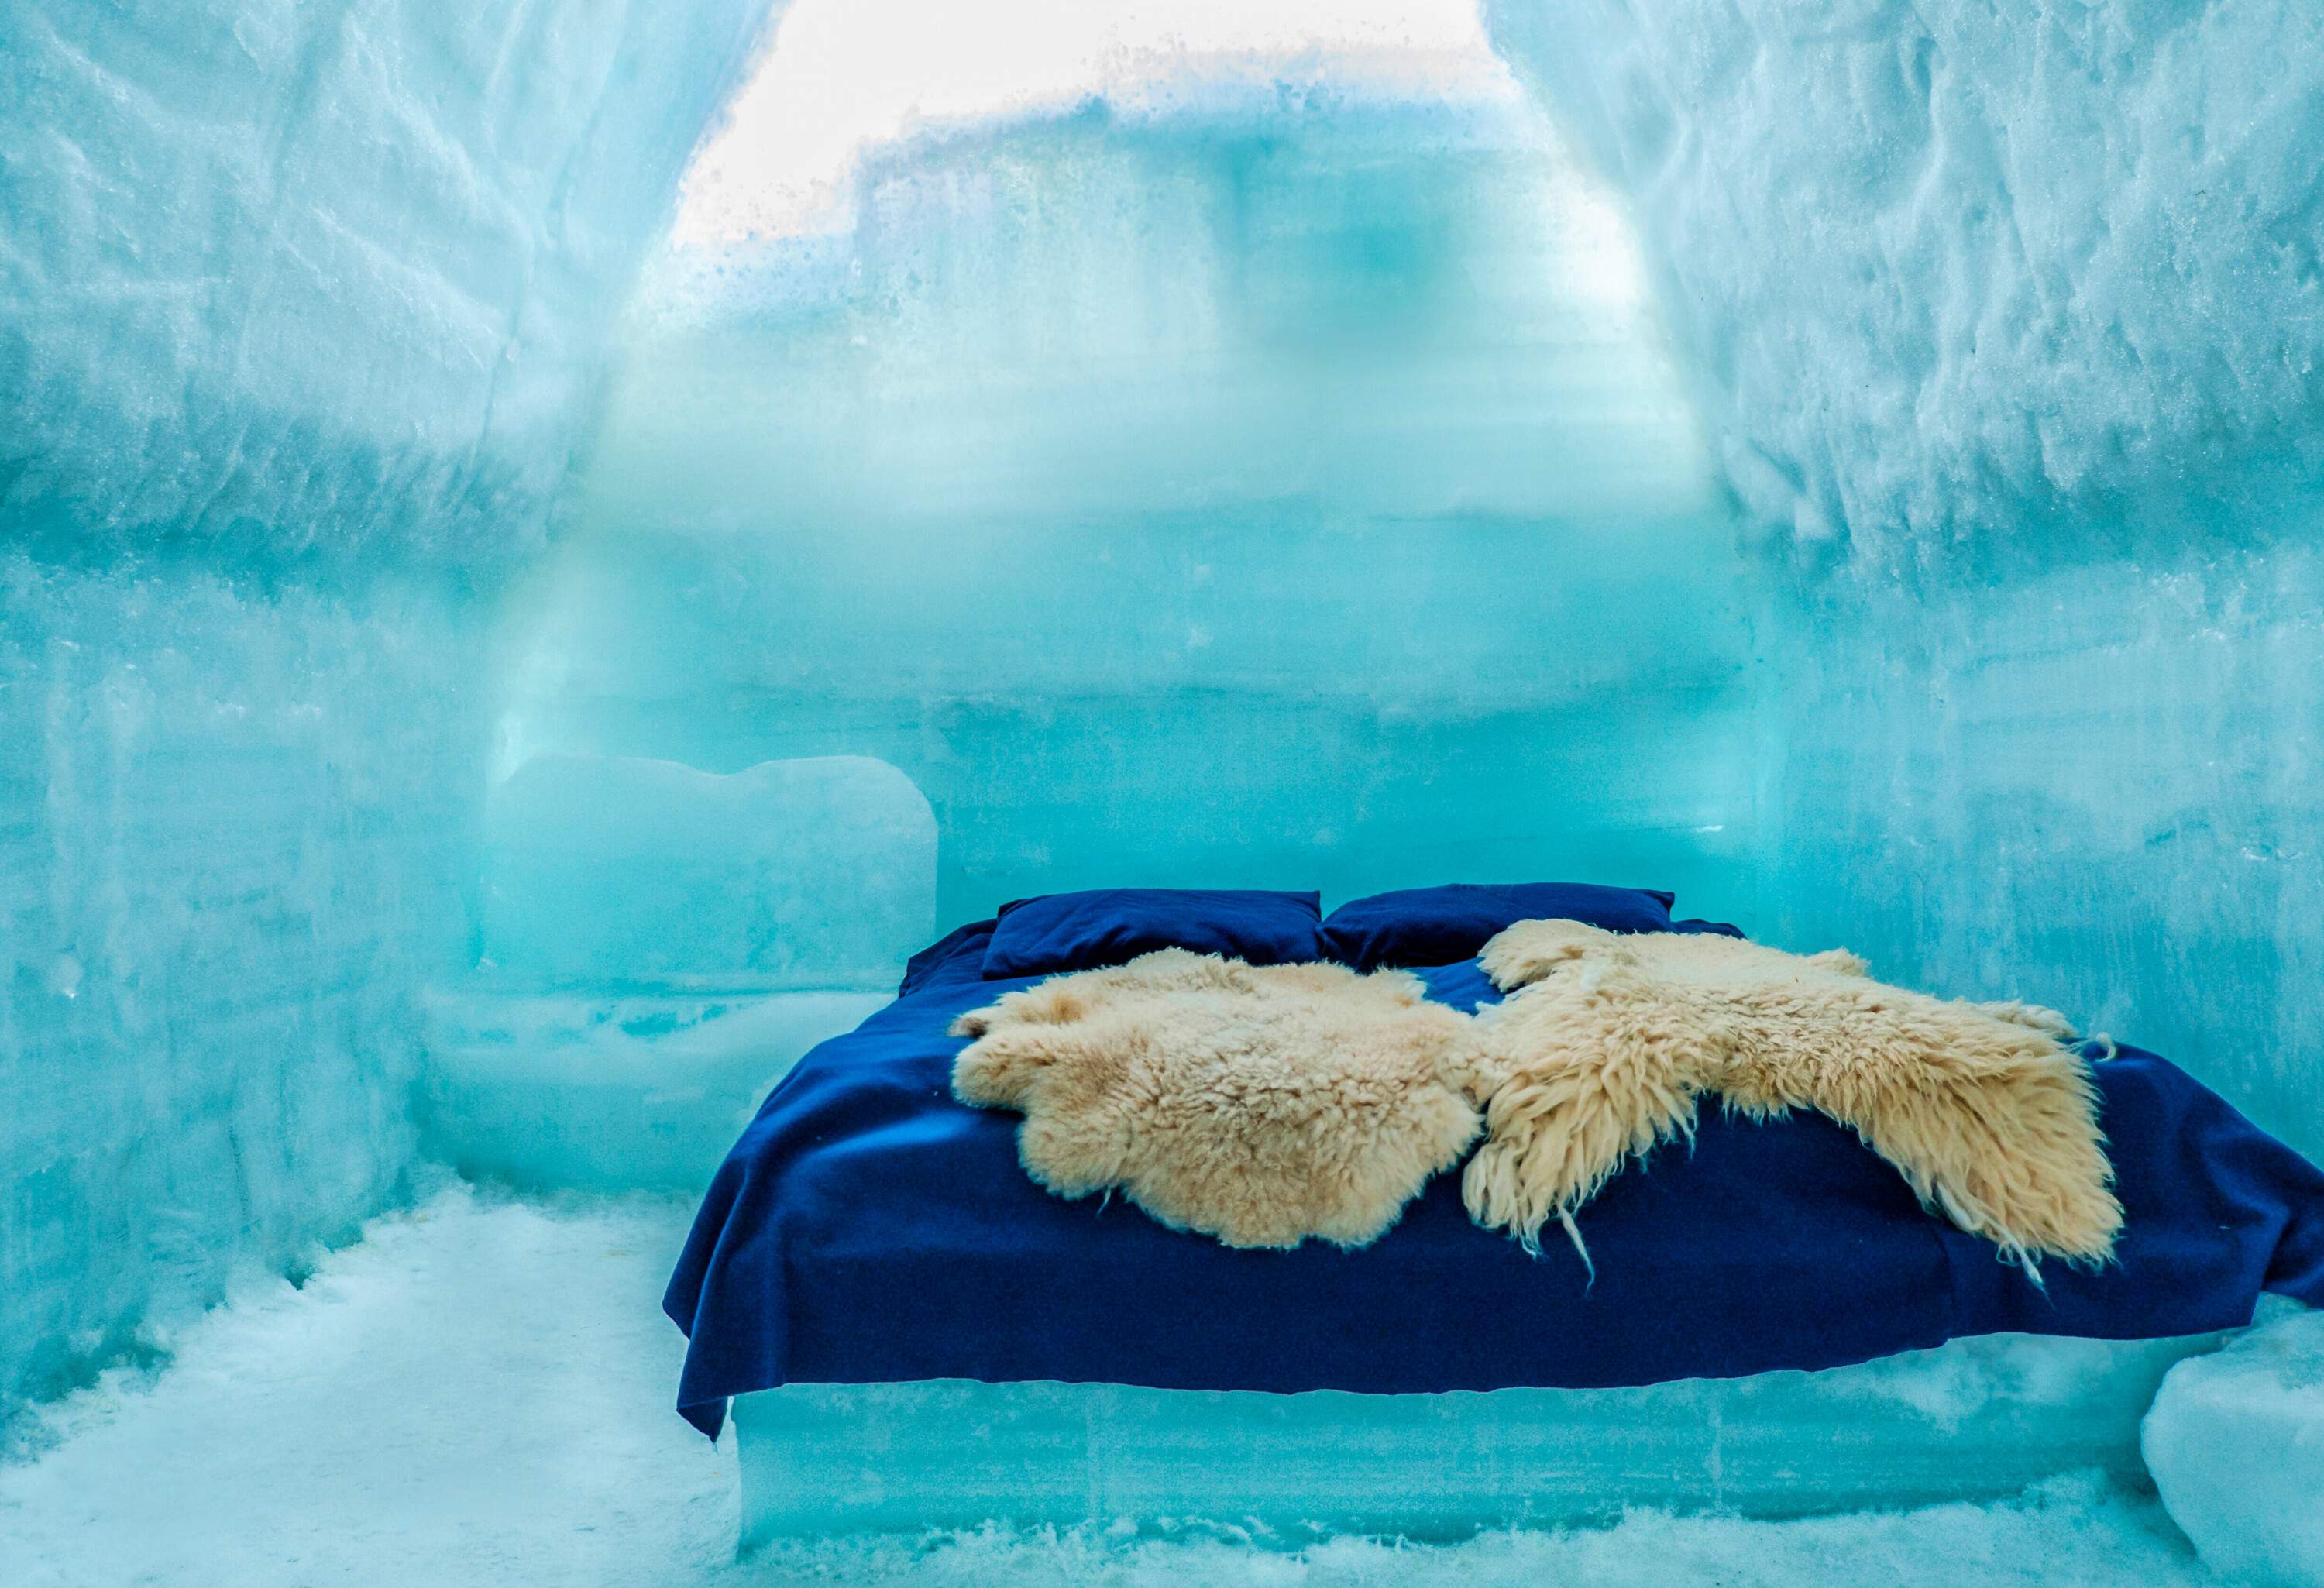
column 660, row 945
column 614, row 1093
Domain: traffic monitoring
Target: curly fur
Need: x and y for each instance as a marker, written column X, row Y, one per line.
column 1607, row 1041
column 1258, row 1105
column 1267, row 1104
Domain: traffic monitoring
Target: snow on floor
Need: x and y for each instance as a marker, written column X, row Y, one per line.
column 478, row 1394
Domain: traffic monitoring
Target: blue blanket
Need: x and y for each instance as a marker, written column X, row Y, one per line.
column 867, row 1228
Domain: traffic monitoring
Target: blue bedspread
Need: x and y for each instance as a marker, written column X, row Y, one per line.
column 867, row 1228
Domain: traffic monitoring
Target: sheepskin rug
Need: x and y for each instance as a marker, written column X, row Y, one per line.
column 1261, row 1105
column 1607, row 1041
column 1264, row 1105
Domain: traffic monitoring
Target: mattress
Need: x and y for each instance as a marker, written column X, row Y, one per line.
column 868, row 1229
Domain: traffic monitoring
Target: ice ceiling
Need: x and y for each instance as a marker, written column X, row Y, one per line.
column 1251, row 480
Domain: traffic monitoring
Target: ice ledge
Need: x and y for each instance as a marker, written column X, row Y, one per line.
column 661, row 945
column 634, row 1090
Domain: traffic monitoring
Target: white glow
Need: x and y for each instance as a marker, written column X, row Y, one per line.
column 1601, row 256
column 844, row 74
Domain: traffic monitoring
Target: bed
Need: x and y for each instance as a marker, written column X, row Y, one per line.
column 920, row 1336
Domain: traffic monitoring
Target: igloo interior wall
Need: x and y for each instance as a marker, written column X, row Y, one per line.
column 301, row 306
column 1230, row 490
column 2009, row 325
column 1230, row 486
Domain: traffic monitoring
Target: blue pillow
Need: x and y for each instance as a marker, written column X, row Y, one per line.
column 1112, row 925
column 1706, row 928
column 1443, row 926
column 958, row 953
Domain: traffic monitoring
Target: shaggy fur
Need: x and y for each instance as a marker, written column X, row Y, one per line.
column 1607, row 1041
column 1267, row 1104
column 1261, row 1105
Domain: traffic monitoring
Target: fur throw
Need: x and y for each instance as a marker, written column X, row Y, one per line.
column 1261, row 1105
column 1607, row 1041
column 1266, row 1104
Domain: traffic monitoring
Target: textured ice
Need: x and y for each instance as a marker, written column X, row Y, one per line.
column 295, row 279
column 1239, row 487
column 233, row 829
column 613, row 871
column 299, row 306
column 1947, row 266
column 2237, row 1444
column 344, row 1431
column 2094, row 786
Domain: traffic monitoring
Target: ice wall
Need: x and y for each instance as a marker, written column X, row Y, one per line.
column 1237, row 487
column 232, row 831
column 1956, row 268
column 300, row 305
column 2094, row 786
column 325, row 280
column 614, row 871
column 2012, row 319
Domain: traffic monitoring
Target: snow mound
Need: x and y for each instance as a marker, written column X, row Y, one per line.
column 2236, row 1441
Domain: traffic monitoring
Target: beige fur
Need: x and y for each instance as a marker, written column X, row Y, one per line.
column 1607, row 1041
column 1263, row 1106
column 1258, row 1104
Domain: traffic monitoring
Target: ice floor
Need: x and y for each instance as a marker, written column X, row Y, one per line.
column 478, row 1393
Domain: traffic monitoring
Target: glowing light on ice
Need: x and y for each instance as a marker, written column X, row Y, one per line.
column 846, row 74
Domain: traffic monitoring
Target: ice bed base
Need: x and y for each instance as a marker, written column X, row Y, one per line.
column 1973, row 1418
